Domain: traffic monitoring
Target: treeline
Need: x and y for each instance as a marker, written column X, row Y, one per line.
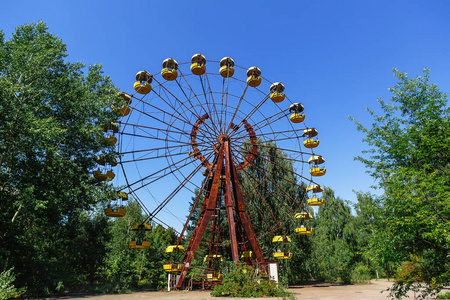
column 93, row 254
column 336, row 251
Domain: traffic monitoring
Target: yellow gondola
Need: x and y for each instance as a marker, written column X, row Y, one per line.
column 253, row 76
column 173, row 248
column 315, row 201
column 103, row 160
column 142, row 87
column 111, row 140
column 213, row 257
column 283, row 255
column 277, row 98
column 125, row 97
column 226, row 67
column 141, row 226
column 213, row 277
column 109, row 175
column 276, row 90
column 142, row 84
column 316, row 159
column 123, row 110
column 111, row 127
column 310, row 132
column 311, row 143
column 246, row 254
column 198, row 64
column 169, row 71
column 317, row 171
column 139, row 245
column 115, row 212
column 281, row 239
column 123, row 196
column 172, row 268
column 303, row 216
column 304, row 230
column 315, row 188
column 297, row 118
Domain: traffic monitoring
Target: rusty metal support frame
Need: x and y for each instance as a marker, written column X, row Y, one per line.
column 229, row 202
column 237, row 216
column 209, row 207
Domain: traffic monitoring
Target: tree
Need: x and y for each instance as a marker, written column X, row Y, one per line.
column 409, row 155
column 367, row 225
column 50, row 114
column 334, row 239
column 130, row 268
column 271, row 189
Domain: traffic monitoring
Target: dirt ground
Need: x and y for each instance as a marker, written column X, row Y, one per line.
column 305, row 292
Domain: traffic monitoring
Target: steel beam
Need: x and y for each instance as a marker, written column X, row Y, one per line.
column 199, row 231
column 229, row 203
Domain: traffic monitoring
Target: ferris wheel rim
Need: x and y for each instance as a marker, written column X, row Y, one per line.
column 179, row 117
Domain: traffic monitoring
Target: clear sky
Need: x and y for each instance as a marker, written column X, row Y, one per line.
column 336, row 57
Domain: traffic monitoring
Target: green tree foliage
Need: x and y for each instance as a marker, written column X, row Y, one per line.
column 49, row 139
column 126, row 269
column 334, row 239
column 7, row 288
column 270, row 189
column 409, row 155
column 366, row 224
column 332, row 252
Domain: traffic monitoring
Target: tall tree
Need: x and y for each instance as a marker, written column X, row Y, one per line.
column 272, row 190
column 409, row 155
column 334, row 239
column 366, row 223
column 50, row 113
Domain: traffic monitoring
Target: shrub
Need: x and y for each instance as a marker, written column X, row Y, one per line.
column 409, row 272
column 7, row 288
column 241, row 281
column 361, row 274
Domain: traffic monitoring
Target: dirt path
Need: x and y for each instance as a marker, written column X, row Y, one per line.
column 310, row 292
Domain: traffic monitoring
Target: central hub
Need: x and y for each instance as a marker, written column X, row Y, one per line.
column 222, row 138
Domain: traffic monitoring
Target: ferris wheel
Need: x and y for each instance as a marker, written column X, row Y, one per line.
column 213, row 133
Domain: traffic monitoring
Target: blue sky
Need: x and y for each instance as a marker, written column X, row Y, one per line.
column 336, row 57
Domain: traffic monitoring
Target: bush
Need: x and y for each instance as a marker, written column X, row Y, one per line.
column 7, row 288
column 361, row 274
column 241, row 281
column 409, row 272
